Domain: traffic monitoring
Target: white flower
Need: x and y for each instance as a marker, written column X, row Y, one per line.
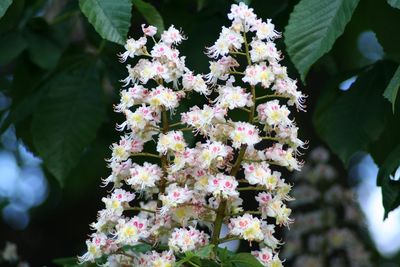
column 274, row 114
column 183, row 240
column 130, row 97
column 138, row 120
column 265, row 30
column 94, row 248
column 222, row 185
column 129, row 232
column 265, row 255
column 118, row 200
column 261, row 51
column 149, row 30
column 156, row 259
column 172, row 141
column 228, row 40
column 233, row 97
column 247, row 227
column 220, row 69
column 162, row 96
column 242, row 13
column 144, row 176
column 261, row 174
column 244, row 134
column 196, row 83
column 260, row 73
column 203, row 119
column 175, row 195
column 172, row 36
column 133, row 48
column 283, row 157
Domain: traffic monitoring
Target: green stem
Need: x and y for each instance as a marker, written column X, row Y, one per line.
column 246, row 47
column 252, row 188
column 236, row 167
column 236, row 72
column 270, row 96
column 237, row 53
column 164, row 159
column 176, row 124
column 146, row 155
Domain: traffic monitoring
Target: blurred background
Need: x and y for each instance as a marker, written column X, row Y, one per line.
column 59, row 79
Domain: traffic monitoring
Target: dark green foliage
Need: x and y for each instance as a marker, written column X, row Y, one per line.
column 68, row 116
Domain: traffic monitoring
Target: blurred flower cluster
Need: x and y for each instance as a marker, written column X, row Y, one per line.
column 178, row 200
column 9, row 256
column 329, row 223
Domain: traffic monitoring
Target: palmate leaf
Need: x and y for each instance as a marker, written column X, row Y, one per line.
column 313, row 27
column 67, row 117
column 110, row 18
column 4, row 5
column 150, row 14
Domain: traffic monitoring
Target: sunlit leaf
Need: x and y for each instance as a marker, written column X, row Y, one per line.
column 394, row 3
column 313, row 28
column 110, row 18
column 4, row 5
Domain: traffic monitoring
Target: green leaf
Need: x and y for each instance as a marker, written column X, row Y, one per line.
column 390, row 188
column 110, row 18
column 11, row 45
column 245, row 260
column 140, row 248
column 188, row 257
column 67, row 117
column 353, row 119
column 44, row 46
column 4, row 5
column 224, row 254
column 150, row 13
column 313, row 27
column 394, row 3
column 204, row 252
column 393, row 88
